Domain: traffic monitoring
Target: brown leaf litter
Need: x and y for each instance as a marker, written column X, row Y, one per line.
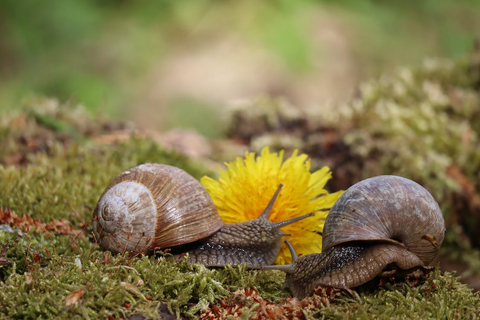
column 248, row 300
column 73, row 297
column 3, row 251
column 290, row 308
column 27, row 223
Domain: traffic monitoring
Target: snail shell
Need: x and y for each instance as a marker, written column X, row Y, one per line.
column 388, row 209
column 153, row 206
column 381, row 222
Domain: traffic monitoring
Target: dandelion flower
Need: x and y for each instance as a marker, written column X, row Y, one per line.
column 244, row 189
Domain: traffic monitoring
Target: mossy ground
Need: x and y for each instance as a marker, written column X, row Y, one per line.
column 422, row 123
column 60, row 277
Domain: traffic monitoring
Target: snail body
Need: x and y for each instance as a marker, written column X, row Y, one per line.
column 378, row 223
column 156, row 206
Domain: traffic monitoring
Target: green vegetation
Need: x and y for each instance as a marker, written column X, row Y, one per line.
column 63, row 179
column 425, row 117
column 101, row 53
column 121, row 286
column 116, row 286
column 62, row 276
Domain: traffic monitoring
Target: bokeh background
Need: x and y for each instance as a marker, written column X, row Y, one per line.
column 165, row 64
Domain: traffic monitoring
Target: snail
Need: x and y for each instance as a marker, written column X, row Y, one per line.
column 385, row 222
column 160, row 206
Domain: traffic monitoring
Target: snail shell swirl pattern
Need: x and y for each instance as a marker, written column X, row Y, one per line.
column 387, row 209
column 152, row 206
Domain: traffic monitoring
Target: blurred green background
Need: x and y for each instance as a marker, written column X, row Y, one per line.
column 170, row 63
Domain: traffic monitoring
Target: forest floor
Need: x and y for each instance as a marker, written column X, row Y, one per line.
column 56, row 161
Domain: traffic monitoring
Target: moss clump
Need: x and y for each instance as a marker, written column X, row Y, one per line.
column 42, row 122
column 47, row 270
column 60, row 172
column 440, row 297
column 421, row 123
column 65, row 183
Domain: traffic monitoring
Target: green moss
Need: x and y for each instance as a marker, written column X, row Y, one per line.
column 58, row 266
column 440, row 297
column 419, row 123
column 121, row 286
column 65, row 180
column 42, row 122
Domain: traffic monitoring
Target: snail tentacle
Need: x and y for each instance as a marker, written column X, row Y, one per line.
column 281, row 224
column 266, row 212
column 287, row 268
column 256, row 242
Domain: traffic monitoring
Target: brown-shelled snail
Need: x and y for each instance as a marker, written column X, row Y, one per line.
column 385, row 222
column 159, row 206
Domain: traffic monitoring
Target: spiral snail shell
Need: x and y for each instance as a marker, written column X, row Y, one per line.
column 152, row 206
column 381, row 222
column 156, row 206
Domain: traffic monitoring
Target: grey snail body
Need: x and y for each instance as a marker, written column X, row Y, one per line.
column 378, row 223
column 156, row 206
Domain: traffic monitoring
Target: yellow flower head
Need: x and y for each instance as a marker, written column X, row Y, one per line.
column 245, row 188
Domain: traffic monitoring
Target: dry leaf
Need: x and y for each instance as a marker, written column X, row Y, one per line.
column 74, row 297
column 28, row 278
column 468, row 186
column 3, row 252
column 290, row 308
column 27, row 223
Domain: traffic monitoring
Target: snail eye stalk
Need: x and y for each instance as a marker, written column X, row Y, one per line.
column 287, row 268
column 269, row 207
